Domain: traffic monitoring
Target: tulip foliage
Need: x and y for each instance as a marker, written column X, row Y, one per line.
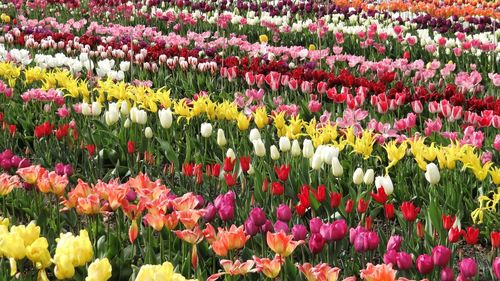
column 249, row 140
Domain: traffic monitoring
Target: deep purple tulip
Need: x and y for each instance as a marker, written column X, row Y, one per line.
column 316, row 243
column 441, row 255
column 258, row 216
column 284, row 213
column 14, row 161
column 447, row 274
column 281, row 226
column 24, row 163
column 267, row 227
column 315, row 225
column 59, row 169
column 394, row 243
column 210, row 212
column 404, row 261
column 468, row 267
column 424, row 264
column 5, row 164
column 299, row 232
column 250, row 227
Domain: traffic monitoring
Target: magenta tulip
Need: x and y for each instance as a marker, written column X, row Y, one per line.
column 394, row 243
column 447, row 274
column 404, row 261
column 441, row 255
column 316, row 243
column 496, row 267
column 299, row 232
column 284, row 213
column 281, row 226
column 315, row 225
column 258, row 216
column 468, row 267
column 390, row 257
column 424, row 264
column 250, row 227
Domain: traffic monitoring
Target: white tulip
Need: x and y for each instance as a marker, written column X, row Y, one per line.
column 85, row 109
column 148, row 133
column 296, row 148
column 308, row 149
column 284, row 144
column 259, row 148
column 124, row 110
column 275, row 154
column 127, row 123
column 327, row 154
column 221, row 138
column 96, row 108
column 357, row 177
column 111, row 117
column 316, row 161
column 206, row 130
column 124, row 66
column 432, row 174
column 165, row 116
column 251, row 170
column 140, row 116
column 254, row 135
column 386, row 183
column 369, row 177
column 337, row 169
column 230, row 153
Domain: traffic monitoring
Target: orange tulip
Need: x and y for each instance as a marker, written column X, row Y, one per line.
column 281, row 243
column 8, row 183
column 82, row 189
column 185, row 202
column 58, row 183
column 171, row 221
column 30, row 174
column 320, row 272
column 233, row 269
column 43, row 183
column 189, row 218
column 191, row 236
column 226, row 240
column 270, row 268
column 88, row 205
column 380, row 272
column 155, row 218
column 133, row 232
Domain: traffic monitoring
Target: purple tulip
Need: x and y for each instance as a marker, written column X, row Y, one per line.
column 424, row 264
column 210, row 212
column 361, row 242
column 447, row 274
column 339, row 230
column 250, row 227
column 496, row 267
column 131, row 195
column 281, row 226
column 394, row 243
column 59, row 169
column 201, row 202
column 5, row 164
column 24, row 163
column 266, row 227
column 226, row 213
column 468, row 267
column 354, row 232
column 316, row 243
column 258, row 216
column 68, row 170
column 404, row 261
column 390, row 257
column 315, row 225
column 441, row 255
column 299, row 232
column 284, row 213
column 373, row 240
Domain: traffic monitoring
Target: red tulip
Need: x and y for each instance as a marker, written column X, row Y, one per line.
column 495, row 239
column 91, row 149
column 448, row 221
column 471, row 236
column 335, row 198
column 409, row 211
column 245, row 163
column 216, row 170
column 229, row 164
column 420, row 230
column 130, row 147
column 230, row 179
column 454, row 234
column 349, row 205
column 277, row 188
column 282, row 172
column 380, row 196
column 389, row 211
column 320, row 193
column 362, row 205
column 12, row 129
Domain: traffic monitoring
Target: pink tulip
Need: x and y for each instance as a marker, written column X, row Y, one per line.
column 468, row 267
column 424, row 264
column 299, row 232
column 394, row 243
column 315, row 225
column 316, row 243
column 446, row 274
column 441, row 255
column 417, row 107
column 283, row 213
column 496, row 142
column 404, row 261
column 496, row 267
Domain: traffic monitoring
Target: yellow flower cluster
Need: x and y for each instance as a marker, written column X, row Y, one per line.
column 71, row 251
column 5, row 18
column 162, row 272
column 23, row 241
column 10, row 72
column 486, row 204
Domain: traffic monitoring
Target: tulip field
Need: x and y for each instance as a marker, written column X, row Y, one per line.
column 158, row 140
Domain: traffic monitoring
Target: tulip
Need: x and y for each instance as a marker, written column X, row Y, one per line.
column 447, row 274
column 349, row 205
column 316, row 243
column 111, row 116
column 296, row 148
column 299, row 232
column 471, row 235
column 337, row 169
column 250, row 227
column 99, row 270
column 316, row 161
column 369, row 177
column 394, row 243
column 308, row 149
column 283, row 213
column 390, row 257
column 282, row 172
column 277, row 188
column 226, row 213
column 441, row 255
column 259, row 148
column 404, row 261
column 281, row 243
column 432, row 174
column 258, row 216
column 270, row 268
column 339, row 230
column 281, row 226
column 210, row 211
column 206, row 130
column 230, row 154
column 267, row 227
column 315, row 225
column 124, row 110
column 357, row 177
column 496, row 267
column 221, row 138
column 165, row 116
column 386, row 183
column 148, row 133
column 389, row 211
column 468, row 267
column 254, row 135
column 275, row 154
column 335, row 198
column 448, row 221
column 127, row 123
column 424, row 264
column 409, row 211
column 284, row 144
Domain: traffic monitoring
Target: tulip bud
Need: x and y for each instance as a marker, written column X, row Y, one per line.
column 258, row 216
column 284, row 144
column 447, row 274
column 254, row 135
column 468, row 267
column 148, row 133
column 315, row 225
column 165, row 116
column 250, row 227
column 124, row 108
column 127, row 123
column 210, row 211
column 441, row 255
column 316, row 161
column 96, row 109
column 357, row 177
column 283, row 213
column 316, row 243
column 259, row 148
column 111, row 117
column 275, row 154
column 206, row 130
column 299, row 232
column 337, row 169
column 267, row 227
column 386, row 183
column 85, row 108
column 369, row 177
column 296, row 148
column 328, row 153
column 496, row 267
column 221, row 138
column 281, row 226
column 404, row 261
column 432, row 174
column 308, row 149
column 230, row 153
column 394, row 243
column 424, row 264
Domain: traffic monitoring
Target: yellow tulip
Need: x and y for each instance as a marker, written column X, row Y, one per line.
column 243, row 122
column 99, row 270
column 260, row 117
column 263, row 39
column 28, row 233
column 495, row 175
column 312, row 47
column 395, row 153
column 38, row 253
column 64, row 268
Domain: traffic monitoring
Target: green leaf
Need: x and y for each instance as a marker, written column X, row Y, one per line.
column 169, row 152
column 314, row 203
